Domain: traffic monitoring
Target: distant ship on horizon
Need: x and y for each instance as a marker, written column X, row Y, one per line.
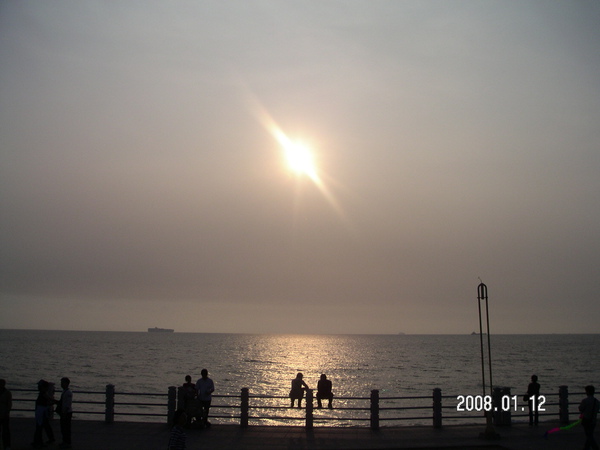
column 160, row 330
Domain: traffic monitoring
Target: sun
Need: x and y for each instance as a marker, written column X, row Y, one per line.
column 298, row 155
column 300, row 159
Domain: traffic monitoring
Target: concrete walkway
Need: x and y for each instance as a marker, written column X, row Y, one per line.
column 96, row 435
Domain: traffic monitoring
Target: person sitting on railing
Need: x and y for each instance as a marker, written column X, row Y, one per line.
column 297, row 391
column 324, row 391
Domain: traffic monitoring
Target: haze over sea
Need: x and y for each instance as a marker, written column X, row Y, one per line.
column 397, row 365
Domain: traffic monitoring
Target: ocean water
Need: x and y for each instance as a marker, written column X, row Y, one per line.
column 397, row 365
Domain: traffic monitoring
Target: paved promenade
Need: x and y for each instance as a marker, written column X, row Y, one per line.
column 96, row 435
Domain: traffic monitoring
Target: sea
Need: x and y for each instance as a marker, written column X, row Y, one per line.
column 396, row 365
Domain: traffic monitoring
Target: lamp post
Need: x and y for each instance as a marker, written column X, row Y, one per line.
column 489, row 432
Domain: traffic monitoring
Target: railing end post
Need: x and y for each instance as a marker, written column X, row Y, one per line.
column 437, row 408
column 375, row 409
column 109, row 404
column 171, row 404
column 244, row 407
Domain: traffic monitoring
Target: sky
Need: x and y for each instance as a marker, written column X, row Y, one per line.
column 144, row 180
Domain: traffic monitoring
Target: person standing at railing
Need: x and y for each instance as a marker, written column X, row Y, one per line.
column 324, row 391
column 43, row 412
column 205, row 387
column 589, row 409
column 533, row 393
column 297, row 391
column 64, row 409
column 5, row 407
column 188, row 399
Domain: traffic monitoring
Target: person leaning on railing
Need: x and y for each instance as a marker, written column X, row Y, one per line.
column 297, row 391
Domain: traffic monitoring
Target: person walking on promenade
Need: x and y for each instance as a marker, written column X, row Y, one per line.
column 324, row 391
column 533, row 390
column 5, row 407
column 178, row 437
column 65, row 410
column 297, row 392
column 43, row 412
column 589, row 408
column 205, row 387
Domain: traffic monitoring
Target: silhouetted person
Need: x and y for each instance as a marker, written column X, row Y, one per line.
column 324, row 391
column 297, row 392
column 43, row 411
column 205, row 387
column 533, row 390
column 188, row 399
column 5, row 407
column 589, row 408
column 178, row 436
column 65, row 411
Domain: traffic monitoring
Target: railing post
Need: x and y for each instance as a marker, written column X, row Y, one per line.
column 507, row 414
column 437, row 408
column 375, row 409
column 309, row 409
column 171, row 404
column 496, row 412
column 563, row 404
column 245, row 405
column 501, row 417
column 109, row 404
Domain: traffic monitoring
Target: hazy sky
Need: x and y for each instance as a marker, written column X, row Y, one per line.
column 140, row 183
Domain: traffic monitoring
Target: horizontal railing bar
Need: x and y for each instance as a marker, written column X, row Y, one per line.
column 345, row 409
column 141, row 404
column 141, row 393
column 88, row 402
column 287, row 397
column 406, row 398
column 404, row 407
column 276, row 417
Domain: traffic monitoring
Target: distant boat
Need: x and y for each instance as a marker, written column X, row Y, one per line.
column 160, row 330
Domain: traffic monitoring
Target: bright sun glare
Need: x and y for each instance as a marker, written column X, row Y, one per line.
column 299, row 156
column 300, row 159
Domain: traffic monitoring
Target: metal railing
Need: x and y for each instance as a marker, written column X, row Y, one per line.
column 246, row 409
